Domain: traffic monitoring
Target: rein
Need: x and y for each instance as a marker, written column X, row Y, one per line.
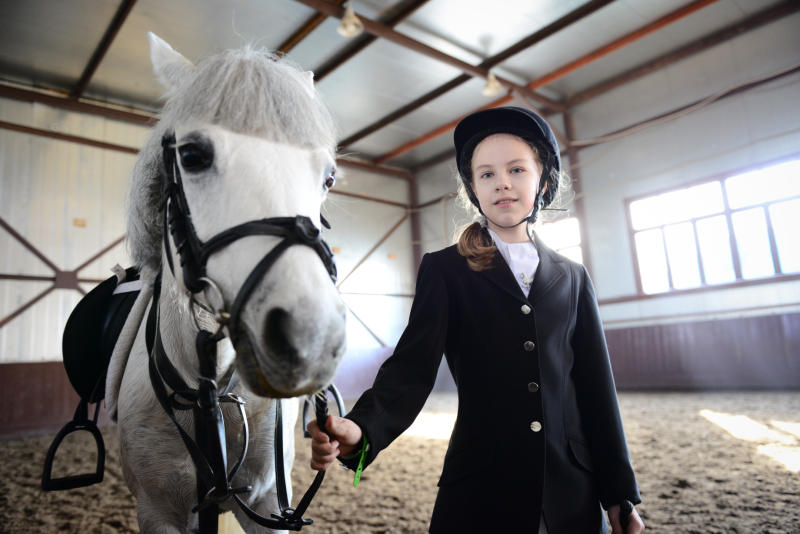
column 208, row 449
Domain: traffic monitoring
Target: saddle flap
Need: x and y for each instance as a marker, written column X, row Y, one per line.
column 90, row 334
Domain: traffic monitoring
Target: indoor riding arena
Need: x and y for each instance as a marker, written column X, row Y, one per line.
column 678, row 127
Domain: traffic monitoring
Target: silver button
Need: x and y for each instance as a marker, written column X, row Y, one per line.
column 536, row 426
column 525, row 309
column 533, row 387
column 529, row 345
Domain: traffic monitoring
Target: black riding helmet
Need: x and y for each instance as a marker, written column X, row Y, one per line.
column 521, row 122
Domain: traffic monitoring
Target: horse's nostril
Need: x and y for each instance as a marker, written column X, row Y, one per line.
column 276, row 333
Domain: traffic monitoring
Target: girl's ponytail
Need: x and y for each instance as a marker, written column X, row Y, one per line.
column 477, row 247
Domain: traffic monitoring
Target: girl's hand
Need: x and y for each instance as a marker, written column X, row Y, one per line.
column 344, row 436
column 635, row 524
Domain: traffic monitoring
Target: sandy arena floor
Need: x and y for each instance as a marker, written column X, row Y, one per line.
column 706, row 463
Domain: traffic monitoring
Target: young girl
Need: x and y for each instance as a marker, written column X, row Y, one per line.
column 538, row 444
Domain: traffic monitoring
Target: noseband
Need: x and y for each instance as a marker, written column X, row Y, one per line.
column 208, row 450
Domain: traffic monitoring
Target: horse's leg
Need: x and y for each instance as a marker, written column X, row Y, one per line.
column 157, row 518
column 155, row 463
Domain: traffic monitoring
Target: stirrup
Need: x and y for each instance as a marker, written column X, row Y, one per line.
column 80, row 421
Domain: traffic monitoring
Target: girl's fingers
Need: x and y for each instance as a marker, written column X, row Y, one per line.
column 320, row 466
column 321, row 462
column 324, row 449
column 317, row 436
column 320, row 439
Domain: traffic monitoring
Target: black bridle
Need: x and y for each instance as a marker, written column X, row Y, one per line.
column 208, row 449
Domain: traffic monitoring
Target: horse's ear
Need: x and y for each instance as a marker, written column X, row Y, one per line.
column 169, row 66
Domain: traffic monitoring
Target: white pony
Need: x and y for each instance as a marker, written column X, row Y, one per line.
column 269, row 148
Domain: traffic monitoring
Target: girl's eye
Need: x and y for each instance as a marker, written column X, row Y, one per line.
column 486, row 175
column 330, row 179
column 517, row 170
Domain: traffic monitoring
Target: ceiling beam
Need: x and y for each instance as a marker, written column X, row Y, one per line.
column 381, row 30
column 527, row 42
column 303, row 32
column 67, row 137
column 761, row 18
column 105, row 43
column 686, row 108
column 392, row 18
column 384, row 170
column 405, row 110
column 397, row 172
column 622, row 42
column 447, row 155
column 560, row 72
column 80, row 106
column 369, row 198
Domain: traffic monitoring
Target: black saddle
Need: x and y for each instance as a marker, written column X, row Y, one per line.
column 89, row 338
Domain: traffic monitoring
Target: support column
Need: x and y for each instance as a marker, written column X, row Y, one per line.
column 577, row 187
column 416, row 237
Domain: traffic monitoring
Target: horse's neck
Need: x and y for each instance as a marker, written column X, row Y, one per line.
column 178, row 333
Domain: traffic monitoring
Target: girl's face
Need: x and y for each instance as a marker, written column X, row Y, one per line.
column 505, row 178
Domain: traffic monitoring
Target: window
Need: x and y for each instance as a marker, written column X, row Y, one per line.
column 741, row 227
column 564, row 237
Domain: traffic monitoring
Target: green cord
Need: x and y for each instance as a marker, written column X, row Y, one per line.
column 360, row 467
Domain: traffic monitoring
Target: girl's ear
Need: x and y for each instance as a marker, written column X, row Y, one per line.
column 171, row 68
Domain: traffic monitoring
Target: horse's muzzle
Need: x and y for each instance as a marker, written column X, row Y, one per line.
column 292, row 358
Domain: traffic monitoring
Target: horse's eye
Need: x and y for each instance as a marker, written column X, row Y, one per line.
column 196, row 157
column 330, row 179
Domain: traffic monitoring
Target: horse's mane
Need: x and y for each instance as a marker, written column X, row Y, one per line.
column 249, row 91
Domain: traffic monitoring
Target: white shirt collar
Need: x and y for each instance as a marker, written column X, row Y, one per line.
column 522, row 259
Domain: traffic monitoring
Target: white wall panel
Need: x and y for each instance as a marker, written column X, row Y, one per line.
column 67, row 200
column 439, row 222
column 357, row 226
column 385, row 316
column 767, row 299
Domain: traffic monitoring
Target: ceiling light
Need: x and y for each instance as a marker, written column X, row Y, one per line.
column 351, row 25
column 492, row 86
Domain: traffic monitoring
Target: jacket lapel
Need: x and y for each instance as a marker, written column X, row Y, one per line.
column 547, row 274
column 500, row 275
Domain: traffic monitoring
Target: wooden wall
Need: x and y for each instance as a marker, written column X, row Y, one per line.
column 744, row 353
column 36, row 398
